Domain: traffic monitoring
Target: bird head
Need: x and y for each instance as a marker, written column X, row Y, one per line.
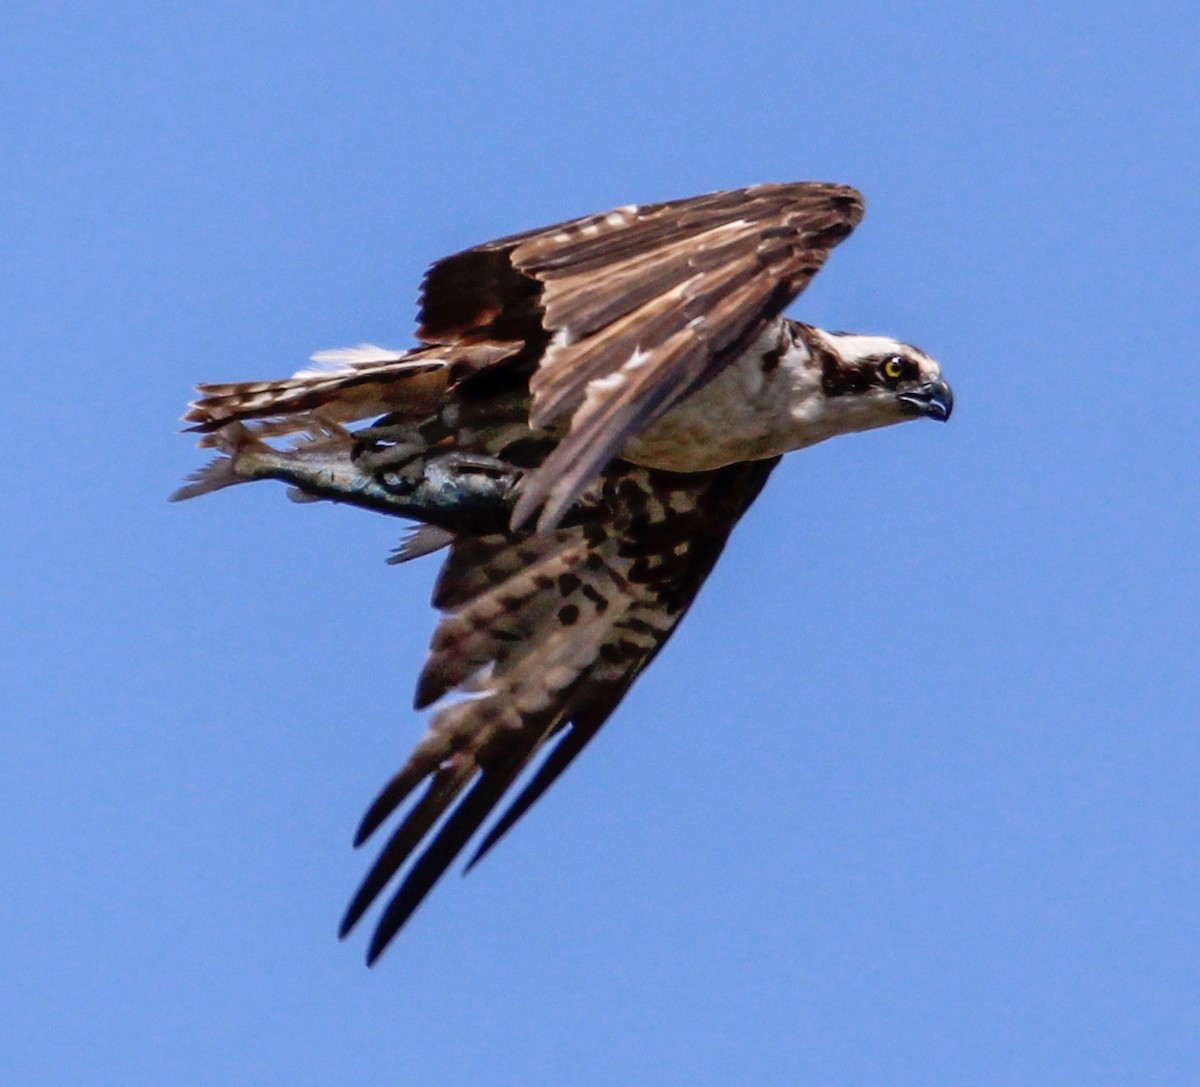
column 875, row 381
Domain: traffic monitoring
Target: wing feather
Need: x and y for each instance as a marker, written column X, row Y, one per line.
column 598, row 326
column 619, row 404
column 676, row 290
column 551, row 631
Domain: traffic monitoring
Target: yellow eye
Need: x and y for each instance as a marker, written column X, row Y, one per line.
column 893, row 368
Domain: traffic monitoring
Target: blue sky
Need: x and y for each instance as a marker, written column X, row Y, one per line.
column 910, row 800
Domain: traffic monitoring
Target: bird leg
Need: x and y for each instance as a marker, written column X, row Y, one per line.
column 445, row 480
column 396, row 449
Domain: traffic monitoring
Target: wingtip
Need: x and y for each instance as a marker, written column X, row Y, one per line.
column 383, row 936
column 484, row 848
column 390, row 797
column 374, row 818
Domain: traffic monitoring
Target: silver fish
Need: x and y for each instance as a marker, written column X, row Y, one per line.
column 454, row 491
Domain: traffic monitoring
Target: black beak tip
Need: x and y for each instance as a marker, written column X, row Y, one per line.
column 934, row 400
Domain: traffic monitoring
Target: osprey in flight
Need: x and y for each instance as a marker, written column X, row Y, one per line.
column 591, row 409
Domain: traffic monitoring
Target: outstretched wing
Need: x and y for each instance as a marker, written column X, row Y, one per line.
column 541, row 637
column 631, row 310
column 611, row 319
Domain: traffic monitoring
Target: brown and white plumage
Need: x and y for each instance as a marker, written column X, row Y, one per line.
column 616, row 317
column 543, row 634
column 634, row 369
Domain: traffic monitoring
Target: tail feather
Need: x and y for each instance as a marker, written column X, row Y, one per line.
column 355, row 383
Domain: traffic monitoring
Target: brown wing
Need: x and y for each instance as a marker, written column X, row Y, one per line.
column 541, row 637
column 633, row 309
column 619, row 315
column 414, row 382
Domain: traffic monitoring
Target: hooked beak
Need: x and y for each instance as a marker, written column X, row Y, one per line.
column 934, row 399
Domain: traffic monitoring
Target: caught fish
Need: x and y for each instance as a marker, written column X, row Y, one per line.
column 454, row 490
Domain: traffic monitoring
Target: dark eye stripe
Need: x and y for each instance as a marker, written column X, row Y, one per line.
column 839, row 378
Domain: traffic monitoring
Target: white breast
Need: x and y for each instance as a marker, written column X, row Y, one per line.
column 747, row 412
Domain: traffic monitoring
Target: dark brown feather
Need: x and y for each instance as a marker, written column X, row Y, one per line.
column 676, row 290
column 542, row 636
column 572, row 339
column 689, row 283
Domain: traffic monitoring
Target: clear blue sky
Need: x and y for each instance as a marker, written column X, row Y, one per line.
column 910, row 800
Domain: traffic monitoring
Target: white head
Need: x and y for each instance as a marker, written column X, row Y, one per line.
column 874, row 381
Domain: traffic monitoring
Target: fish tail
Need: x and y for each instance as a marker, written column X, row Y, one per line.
column 222, row 471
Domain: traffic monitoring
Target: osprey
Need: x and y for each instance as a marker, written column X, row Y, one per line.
column 591, row 409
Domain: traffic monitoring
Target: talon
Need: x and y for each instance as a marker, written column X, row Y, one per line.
column 476, row 464
column 397, row 484
column 466, row 479
column 375, row 458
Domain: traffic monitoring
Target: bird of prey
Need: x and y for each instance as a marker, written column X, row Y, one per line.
column 590, row 410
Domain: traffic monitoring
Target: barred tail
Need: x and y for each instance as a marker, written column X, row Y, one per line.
column 353, row 383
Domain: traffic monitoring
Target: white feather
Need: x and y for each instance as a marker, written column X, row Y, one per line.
column 338, row 360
